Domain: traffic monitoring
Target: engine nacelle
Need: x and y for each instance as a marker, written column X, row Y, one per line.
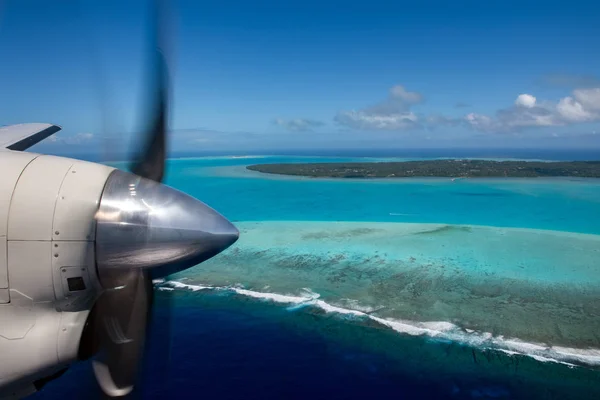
column 48, row 279
column 70, row 229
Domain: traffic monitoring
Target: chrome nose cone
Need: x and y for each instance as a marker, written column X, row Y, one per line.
column 144, row 224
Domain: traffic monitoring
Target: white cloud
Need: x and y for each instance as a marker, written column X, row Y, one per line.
column 480, row 122
column 369, row 121
column 572, row 110
column 590, row 98
column 582, row 106
column 298, row 124
column 80, row 138
column 525, row 100
column 517, row 117
column 84, row 136
column 391, row 114
column 395, row 113
column 399, row 92
column 441, row 120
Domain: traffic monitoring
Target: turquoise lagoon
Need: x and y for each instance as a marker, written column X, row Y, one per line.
column 504, row 271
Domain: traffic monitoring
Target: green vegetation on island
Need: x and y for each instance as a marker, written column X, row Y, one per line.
column 436, row 168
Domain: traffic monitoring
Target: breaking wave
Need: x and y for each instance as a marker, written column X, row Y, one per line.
column 436, row 330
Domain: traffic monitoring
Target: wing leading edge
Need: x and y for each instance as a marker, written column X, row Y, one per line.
column 22, row 136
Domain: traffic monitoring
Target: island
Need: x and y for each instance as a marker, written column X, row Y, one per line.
column 455, row 168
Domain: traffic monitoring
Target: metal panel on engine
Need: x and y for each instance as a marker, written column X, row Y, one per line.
column 34, row 199
column 11, row 167
column 30, row 269
column 76, row 289
column 74, row 278
column 78, row 200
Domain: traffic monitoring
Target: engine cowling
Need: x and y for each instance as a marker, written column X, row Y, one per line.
column 68, row 228
column 47, row 231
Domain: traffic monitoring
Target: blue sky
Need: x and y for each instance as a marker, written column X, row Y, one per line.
column 310, row 74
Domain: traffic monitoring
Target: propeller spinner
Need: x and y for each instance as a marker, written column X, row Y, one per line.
column 145, row 230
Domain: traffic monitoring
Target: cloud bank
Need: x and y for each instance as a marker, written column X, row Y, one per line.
column 583, row 105
column 298, row 124
column 396, row 113
column 79, row 138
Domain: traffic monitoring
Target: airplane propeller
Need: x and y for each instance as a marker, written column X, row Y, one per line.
column 144, row 231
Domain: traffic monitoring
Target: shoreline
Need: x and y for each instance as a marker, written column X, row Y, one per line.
column 434, row 168
column 242, row 172
column 440, row 331
column 428, row 178
column 537, row 285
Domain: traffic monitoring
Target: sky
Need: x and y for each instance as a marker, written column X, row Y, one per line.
column 251, row 75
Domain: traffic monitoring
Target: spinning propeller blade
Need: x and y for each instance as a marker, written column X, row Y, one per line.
column 145, row 230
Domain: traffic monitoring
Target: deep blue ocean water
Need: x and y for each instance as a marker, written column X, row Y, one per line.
column 227, row 347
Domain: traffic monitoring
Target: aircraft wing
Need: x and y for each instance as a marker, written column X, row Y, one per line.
column 22, row 136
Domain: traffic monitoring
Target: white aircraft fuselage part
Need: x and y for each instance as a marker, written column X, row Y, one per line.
column 71, row 231
column 48, row 279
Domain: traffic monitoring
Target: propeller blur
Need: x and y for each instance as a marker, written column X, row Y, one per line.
column 80, row 244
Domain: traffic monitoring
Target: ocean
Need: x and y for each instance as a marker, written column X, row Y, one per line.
column 406, row 288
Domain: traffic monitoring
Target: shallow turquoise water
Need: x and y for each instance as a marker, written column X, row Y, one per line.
column 556, row 204
column 367, row 307
column 511, row 258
